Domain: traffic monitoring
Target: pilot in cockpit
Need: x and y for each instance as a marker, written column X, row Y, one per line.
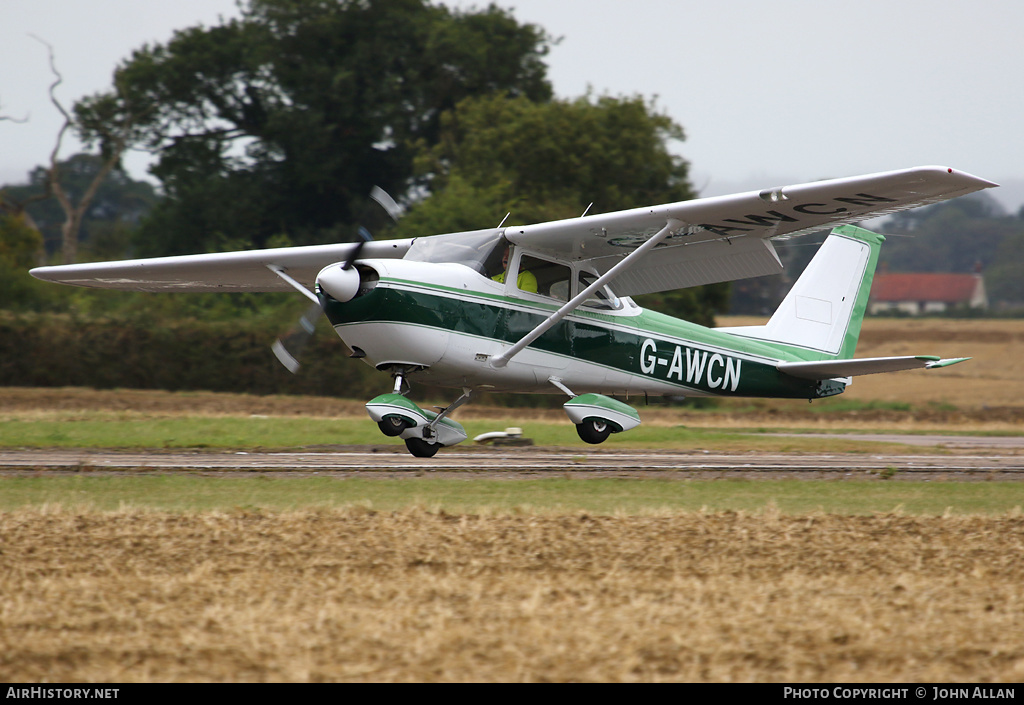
column 526, row 281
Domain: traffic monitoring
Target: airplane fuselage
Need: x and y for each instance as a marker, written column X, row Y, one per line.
column 446, row 321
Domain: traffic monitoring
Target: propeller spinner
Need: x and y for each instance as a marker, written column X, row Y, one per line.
column 340, row 281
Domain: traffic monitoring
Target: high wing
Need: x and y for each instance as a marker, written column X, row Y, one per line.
column 729, row 237
column 710, row 239
column 252, row 270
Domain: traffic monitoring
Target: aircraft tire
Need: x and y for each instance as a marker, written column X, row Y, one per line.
column 392, row 425
column 419, row 448
column 593, row 430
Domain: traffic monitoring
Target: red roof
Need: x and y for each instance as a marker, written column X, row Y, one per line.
column 950, row 288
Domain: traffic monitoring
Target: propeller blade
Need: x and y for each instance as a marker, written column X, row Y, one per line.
column 284, row 357
column 288, row 347
column 364, row 237
column 386, row 202
column 354, row 256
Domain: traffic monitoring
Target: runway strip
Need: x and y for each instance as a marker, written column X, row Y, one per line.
column 990, row 460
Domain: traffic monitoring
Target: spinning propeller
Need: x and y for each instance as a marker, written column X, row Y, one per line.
column 341, row 282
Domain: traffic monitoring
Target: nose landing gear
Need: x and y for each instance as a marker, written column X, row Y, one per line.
column 424, row 432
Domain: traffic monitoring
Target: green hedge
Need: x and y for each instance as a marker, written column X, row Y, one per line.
column 58, row 350
column 134, row 352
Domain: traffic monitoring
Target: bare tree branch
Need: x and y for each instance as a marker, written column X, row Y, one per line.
column 8, row 118
column 74, row 214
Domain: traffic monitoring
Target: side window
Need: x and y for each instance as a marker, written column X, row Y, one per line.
column 542, row 277
column 603, row 298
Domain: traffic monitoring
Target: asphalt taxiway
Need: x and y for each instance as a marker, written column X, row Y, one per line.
column 950, row 457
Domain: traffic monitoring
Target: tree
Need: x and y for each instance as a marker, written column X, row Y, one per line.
column 19, row 246
column 105, row 121
column 283, row 120
column 547, row 160
column 946, row 237
column 1003, row 281
column 550, row 160
column 116, row 208
column 278, row 124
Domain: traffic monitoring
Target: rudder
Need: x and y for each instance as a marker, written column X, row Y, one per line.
column 823, row 312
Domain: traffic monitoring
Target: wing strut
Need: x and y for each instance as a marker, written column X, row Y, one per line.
column 279, row 271
column 567, row 308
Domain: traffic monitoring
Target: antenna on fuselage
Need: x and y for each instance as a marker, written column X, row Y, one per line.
column 587, row 210
column 503, row 220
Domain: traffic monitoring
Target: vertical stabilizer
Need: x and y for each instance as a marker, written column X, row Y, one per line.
column 822, row 314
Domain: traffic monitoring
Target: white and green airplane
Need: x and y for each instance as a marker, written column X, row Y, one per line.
column 545, row 308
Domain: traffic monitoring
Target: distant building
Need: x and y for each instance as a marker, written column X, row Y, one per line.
column 920, row 294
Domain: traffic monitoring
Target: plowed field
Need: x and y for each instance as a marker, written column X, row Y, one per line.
column 417, row 596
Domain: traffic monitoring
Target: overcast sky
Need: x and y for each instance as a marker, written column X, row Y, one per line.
column 768, row 92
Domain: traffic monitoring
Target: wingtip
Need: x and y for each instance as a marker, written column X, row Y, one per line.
column 976, row 180
column 946, row 362
column 42, row 273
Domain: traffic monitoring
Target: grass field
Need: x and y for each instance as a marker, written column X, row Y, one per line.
column 152, row 577
column 102, row 430
column 551, row 495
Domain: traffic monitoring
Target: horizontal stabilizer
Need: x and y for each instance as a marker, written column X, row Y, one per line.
column 831, row 369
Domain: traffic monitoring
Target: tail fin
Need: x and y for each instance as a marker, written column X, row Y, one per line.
column 822, row 314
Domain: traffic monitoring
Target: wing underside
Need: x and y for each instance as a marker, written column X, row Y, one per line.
column 221, row 272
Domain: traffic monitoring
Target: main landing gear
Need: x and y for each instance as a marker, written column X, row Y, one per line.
column 593, row 430
column 597, row 416
column 424, row 432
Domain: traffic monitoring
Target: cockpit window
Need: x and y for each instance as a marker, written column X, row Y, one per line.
column 603, row 298
column 543, row 277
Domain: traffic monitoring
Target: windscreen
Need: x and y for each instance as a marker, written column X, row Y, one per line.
column 477, row 249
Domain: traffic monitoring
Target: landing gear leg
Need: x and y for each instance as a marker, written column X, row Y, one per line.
column 466, row 393
column 394, row 424
column 399, row 375
column 429, row 444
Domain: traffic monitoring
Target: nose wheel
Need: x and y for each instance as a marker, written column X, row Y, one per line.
column 420, row 448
